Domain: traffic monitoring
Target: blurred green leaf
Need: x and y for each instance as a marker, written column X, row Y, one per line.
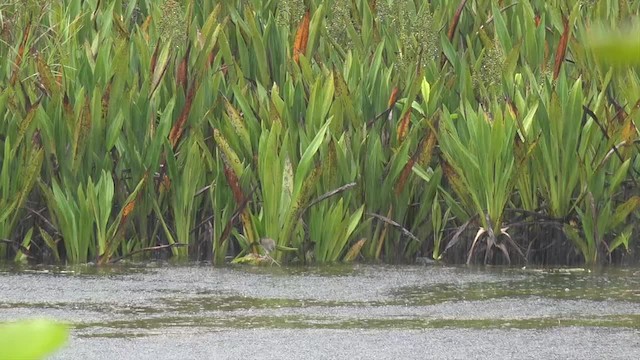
column 31, row 339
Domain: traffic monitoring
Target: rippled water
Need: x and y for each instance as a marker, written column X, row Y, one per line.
column 163, row 311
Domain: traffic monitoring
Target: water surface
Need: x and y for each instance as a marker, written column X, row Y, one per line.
column 160, row 311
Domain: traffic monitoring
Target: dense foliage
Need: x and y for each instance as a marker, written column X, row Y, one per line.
column 468, row 131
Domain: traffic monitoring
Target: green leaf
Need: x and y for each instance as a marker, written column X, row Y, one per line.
column 621, row 240
column 576, row 239
column 425, row 89
column 305, row 161
column 114, row 131
column 315, row 26
column 31, row 339
column 26, row 242
column 623, row 210
column 259, row 52
column 619, row 176
column 53, row 246
column 501, row 27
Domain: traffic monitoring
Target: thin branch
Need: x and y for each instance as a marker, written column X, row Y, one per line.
column 201, row 191
column 38, row 214
column 18, row 246
column 456, row 237
column 593, row 116
column 381, row 115
column 395, row 224
column 329, row 194
column 491, row 18
column 152, row 248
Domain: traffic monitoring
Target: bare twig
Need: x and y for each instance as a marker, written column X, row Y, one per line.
column 379, row 116
column 18, row 246
column 201, row 191
column 329, row 194
column 456, row 237
column 152, row 248
column 395, row 224
column 39, row 215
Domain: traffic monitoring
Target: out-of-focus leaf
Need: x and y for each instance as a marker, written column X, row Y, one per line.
column 31, row 339
column 619, row 48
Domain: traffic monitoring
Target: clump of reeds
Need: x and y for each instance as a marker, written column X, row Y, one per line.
column 343, row 131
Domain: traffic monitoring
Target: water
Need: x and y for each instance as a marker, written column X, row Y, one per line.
column 339, row 312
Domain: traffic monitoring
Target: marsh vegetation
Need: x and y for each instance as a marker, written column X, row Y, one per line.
column 463, row 131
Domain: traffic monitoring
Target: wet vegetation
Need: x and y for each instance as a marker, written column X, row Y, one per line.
column 366, row 130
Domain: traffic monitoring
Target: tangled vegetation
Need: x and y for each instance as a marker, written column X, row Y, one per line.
column 466, row 131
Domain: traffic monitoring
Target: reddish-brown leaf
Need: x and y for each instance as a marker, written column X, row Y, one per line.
column 154, row 58
column 562, row 49
column 128, row 209
column 234, row 183
column 426, row 152
column 302, row 37
column 456, row 19
column 452, row 27
column 403, row 126
column 404, row 175
column 239, row 197
column 106, row 96
column 393, row 98
column 178, row 127
column 182, row 71
column 427, row 142
column 131, row 205
column 67, row 107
